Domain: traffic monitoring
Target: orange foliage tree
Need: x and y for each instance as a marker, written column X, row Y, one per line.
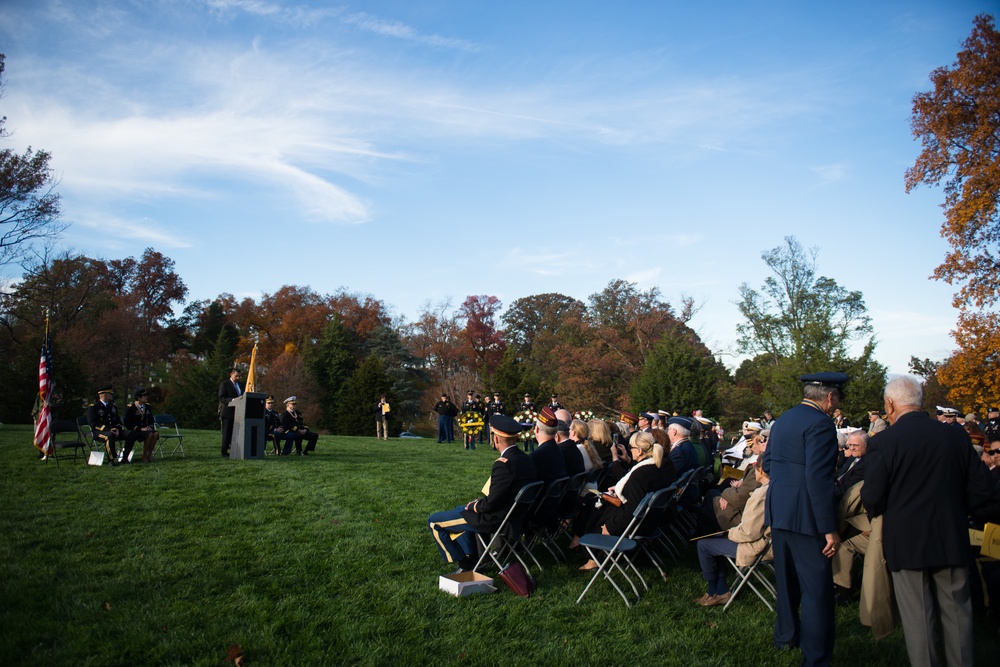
column 972, row 374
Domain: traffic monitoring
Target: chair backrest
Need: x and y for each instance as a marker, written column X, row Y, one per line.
column 82, row 422
column 165, row 421
column 64, row 426
column 549, row 500
column 523, row 501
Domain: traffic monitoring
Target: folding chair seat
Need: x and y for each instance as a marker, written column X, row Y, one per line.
column 568, row 508
column 163, row 426
column 746, row 576
column 615, row 549
column 505, row 541
column 64, row 434
column 541, row 518
column 651, row 529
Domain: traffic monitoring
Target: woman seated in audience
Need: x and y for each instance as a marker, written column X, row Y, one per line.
column 600, row 438
column 743, row 542
column 652, row 470
column 579, row 431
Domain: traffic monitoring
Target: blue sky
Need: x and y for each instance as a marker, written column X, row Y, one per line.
column 429, row 150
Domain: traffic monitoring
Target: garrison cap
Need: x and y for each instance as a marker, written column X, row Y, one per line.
column 629, row 418
column 826, row 379
column 683, row 422
column 548, row 417
column 649, row 416
column 505, row 426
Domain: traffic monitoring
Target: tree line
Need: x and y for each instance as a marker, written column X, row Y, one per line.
column 116, row 322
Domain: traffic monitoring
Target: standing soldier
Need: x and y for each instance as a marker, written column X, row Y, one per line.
column 528, row 404
column 445, row 410
column 471, row 405
column 481, row 408
column 992, row 427
column 496, row 406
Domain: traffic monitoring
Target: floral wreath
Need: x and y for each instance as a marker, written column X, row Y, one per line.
column 471, row 422
column 584, row 415
column 526, row 417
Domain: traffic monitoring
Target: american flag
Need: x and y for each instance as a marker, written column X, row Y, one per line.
column 43, row 428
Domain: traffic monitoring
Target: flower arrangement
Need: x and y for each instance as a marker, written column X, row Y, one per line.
column 526, row 417
column 584, row 415
column 471, row 422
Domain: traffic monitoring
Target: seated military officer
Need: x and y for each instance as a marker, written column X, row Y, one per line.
column 510, row 472
column 291, row 420
column 107, row 426
column 275, row 431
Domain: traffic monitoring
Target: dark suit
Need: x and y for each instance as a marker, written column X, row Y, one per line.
column 510, row 473
column 800, row 509
column 852, row 473
column 684, row 457
column 924, row 477
column 227, row 392
column 548, row 461
column 572, row 456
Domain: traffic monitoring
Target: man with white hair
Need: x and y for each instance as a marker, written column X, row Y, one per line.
column 924, row 478
column 682, row 452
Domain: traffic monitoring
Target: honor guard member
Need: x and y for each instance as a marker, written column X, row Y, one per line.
column 497, row 407
column 554, row 403
column 510, row 472
column 275, row 431
column 471, row 405
column 991, row 429
column 291, row 420
column 527, row 404
column 445, row 410
column 139, row 420
column 108, row 427
column 482, row 410
column 800, row 509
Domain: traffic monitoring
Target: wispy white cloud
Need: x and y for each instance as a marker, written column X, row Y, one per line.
column 399, row 30
column 144, row 230
column 830, row 173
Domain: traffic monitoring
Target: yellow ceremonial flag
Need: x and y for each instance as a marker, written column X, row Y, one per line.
column 251, row 380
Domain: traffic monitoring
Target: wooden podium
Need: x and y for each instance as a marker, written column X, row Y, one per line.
column 248, row 427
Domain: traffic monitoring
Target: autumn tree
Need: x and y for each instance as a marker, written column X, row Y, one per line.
column 29, row 205
column 483, row 342
column 972, row 373
column 958, row 125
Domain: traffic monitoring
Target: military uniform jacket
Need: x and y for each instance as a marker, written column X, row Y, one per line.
column 472, row 405
column 292, row 421
column 272, row 420
column 991, row 430
column 684, row 457
column 527, row 406
column 445, row 408
column 924, row 478
column 510, row 472
column 497, row 408
column 800, row 458
column 138, row 418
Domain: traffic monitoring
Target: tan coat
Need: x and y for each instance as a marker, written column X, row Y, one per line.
column 737, row 500
column 878, row 604
column 751, row 535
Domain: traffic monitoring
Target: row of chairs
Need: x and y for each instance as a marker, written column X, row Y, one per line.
column 66, row 433
column 663, row 521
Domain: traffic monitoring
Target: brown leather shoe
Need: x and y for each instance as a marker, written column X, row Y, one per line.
column 703, row 600
column 718, row 600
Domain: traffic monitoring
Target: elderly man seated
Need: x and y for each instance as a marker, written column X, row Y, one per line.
column 853, row 525
column 725, row 510
column 735, row 454
column 744, row 542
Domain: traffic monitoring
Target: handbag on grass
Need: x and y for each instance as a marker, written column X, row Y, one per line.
column 518, row 580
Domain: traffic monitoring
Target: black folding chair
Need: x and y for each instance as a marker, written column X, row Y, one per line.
column 651, row 529
column 505, row 540
column 65, row 434
column 163, row 426
column 86, row 432
column 616, row 548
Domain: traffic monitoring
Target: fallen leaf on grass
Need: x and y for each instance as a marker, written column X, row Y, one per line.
column 235, row 655
column 711, row 624
column 334, row 522
column 107, row 606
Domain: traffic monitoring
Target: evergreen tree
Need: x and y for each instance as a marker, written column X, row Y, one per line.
column 331, row 362
column 680, row 375
column 355, row 405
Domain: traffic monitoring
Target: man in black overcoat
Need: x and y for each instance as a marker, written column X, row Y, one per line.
column 924, row 477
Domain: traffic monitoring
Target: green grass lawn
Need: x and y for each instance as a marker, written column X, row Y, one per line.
column 323, row 560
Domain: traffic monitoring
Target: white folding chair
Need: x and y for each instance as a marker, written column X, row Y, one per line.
column 745, row 576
